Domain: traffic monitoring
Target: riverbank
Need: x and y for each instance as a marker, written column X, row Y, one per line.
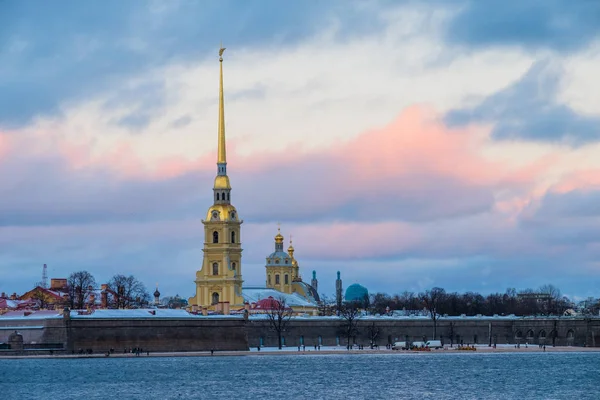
column 269, row 351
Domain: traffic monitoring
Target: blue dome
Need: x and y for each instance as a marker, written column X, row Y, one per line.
column 356, row 292
column 279, row 258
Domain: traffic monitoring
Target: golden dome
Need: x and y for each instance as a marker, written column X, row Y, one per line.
column 222, row 212
column 279, row 236
column 222, row 182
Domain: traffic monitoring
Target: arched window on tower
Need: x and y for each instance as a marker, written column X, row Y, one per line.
column 233, row 237
column 217, row 196
column 233, row 266
column 286, row 279
column 215, row 269
column 215, row 298
column 227, row 196
column 269, row 279
column 215, row 237
column 277, row 279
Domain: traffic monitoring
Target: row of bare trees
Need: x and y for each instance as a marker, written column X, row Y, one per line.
column 122, row 292
column 546, row 300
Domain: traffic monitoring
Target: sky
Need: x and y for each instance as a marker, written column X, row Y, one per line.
column 405, row 144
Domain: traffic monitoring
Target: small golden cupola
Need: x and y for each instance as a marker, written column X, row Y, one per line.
column 279, row 239
column 291, row 249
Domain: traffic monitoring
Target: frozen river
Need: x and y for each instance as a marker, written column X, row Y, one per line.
column 368, row 376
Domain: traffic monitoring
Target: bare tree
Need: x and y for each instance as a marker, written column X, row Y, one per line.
column 174, row 302
column 42, row 298
column 366, row 303
column 128, row 292
column 373, row 332
column 431, row 300
column 349, row 313
column 278, row 315
column 327, row 306
column 555, row 302
column 80, row 285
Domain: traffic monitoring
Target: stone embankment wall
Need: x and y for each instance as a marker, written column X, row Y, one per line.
column 204, row 334
column 328, row 332
column 156, row 335
column 41, row 336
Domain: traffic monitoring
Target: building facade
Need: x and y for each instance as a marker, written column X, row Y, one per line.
column 219, row 280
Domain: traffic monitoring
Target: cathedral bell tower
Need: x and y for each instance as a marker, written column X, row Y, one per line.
column 219, row 281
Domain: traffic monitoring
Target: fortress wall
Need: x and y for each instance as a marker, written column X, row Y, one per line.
column 32, row 330
column 198, row 334
column 55, row 332
column 193, row 334
column 585, row 332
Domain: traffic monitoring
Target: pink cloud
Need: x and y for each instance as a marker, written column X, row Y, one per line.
column 4, row 145
column 579, row 180
column 418, row 141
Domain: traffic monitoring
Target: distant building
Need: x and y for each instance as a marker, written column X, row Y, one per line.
column 49, row 299
column 283, row 272
column 156, row 297
column 338, row 290
column 356, row 292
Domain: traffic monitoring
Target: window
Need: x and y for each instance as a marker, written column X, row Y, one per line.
column 277, row 279
column 286, row 279
column 215, row 237
column 269, row 279
column 233, row 266
column 223, row 196
column 227, row 196
column 215, row 269
column 530, row 334
column 232, row 237
column 217, row 196
column 215, row 298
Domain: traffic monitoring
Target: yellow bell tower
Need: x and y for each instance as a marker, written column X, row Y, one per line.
column 219, row 281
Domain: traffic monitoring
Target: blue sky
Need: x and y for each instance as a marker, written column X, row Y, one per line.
column 406, row 144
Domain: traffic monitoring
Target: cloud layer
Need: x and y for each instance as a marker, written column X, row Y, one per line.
column 412, row 151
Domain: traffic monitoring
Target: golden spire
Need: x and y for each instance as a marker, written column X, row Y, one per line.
column 222, row 159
